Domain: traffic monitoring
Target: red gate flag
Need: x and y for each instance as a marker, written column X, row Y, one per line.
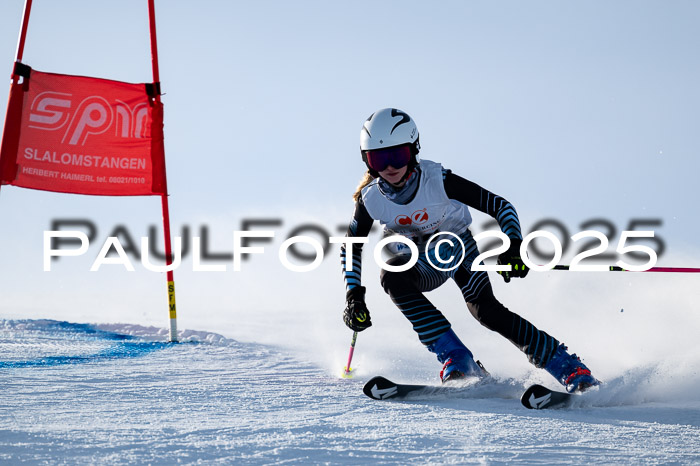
column 81, row 135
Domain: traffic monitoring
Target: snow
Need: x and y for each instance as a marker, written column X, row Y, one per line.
column 117, row 393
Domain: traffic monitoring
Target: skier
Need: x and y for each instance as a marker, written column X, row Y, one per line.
column 416, row 199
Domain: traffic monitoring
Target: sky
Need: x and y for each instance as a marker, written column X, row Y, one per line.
column 584, row 113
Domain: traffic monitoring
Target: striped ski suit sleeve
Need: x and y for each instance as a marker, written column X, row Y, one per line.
column 473, row 195
column 360, row 225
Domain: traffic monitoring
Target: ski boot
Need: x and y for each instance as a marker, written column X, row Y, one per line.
column 458, row 361
column 570, row 371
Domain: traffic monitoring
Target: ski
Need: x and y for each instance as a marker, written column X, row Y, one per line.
column 539, row 397
column 535, row 397
column 381, row 388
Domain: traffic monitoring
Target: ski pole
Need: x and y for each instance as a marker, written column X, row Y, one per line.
column 348, row 370
column 614, row 268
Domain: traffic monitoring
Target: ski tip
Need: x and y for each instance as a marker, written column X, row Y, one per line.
column 530, row 397
column 379, row 388
column 539, row 397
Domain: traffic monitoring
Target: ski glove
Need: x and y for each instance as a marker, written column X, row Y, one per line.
column 356, row 315
column 512, row 257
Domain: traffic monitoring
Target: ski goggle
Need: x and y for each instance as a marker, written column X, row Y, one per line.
column 397, row 157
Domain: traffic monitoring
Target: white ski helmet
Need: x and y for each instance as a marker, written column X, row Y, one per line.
column 389, row 127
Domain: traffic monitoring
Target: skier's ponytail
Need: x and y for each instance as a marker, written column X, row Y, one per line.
column 366, row 179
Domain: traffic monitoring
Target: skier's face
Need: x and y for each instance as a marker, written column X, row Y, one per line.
column 394, row 175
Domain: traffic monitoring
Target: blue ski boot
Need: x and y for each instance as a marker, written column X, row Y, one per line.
column 570, row 371
column 457, row 359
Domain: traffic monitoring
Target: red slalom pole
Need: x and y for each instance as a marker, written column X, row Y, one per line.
column 20, row 49
column 673, row 269
column 613, row 268
column 23, row 31
column 172, row 307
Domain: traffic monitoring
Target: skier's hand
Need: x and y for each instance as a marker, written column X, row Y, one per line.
column 356, row 315
column 512, row 257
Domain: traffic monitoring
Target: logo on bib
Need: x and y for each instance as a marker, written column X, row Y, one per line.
column 419, row 217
